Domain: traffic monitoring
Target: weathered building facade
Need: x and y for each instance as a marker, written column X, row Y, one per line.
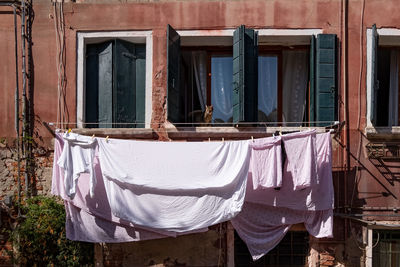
column 69, row 73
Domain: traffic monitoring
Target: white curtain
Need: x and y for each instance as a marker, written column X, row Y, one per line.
column 267, row 88
column 393, row 91
column 221, row 88
column 199, row 63
column 295, row 84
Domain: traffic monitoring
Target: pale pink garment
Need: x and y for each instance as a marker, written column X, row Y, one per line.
column 98, row 206
column 262, row 227
column 266, row 162
column 301, row 158
column 267, row 214
column 319, row 196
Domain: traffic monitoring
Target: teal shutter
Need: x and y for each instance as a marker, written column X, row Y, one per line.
column 124, row 104
column 374, row 74
column 245, row 75
column 312, row 81
column 326, row 81
column 105, row 85
column 173, row 75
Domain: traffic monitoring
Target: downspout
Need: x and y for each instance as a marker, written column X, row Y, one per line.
column 24, row 100
column 17, row 109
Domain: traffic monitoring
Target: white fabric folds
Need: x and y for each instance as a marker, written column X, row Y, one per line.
column 174, row 186
column 77, row 158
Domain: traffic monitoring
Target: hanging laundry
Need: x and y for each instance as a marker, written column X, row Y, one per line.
column 301, row 158
column 262, row 227
column 266, row 162
column 92, row 215
column 267, row 214
column 174, row 186
column 76, row 158
column 319, row 196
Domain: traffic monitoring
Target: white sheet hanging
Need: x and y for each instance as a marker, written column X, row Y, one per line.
column 174, row 186
column 76, row 158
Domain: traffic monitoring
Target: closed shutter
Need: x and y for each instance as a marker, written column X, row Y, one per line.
column 99, row 85
column 124, row 104
column 326, row 82
column 312, row 81
column 245, row 75
column 374, row 74
column 173, row 75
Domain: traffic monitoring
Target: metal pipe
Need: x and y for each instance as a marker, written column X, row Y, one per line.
column 24, row 100
column 17, row 108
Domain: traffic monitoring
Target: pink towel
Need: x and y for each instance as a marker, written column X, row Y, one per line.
column 266, row 162
column 301, row 158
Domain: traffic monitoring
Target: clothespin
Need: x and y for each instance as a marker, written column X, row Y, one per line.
column 252, row 138
column 93, row 136
column 69, row 130
column 280, row 130
column 107, row 138
column 209, row 139
column 223, row 139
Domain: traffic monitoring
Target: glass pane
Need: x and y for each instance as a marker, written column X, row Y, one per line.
column 267, row 88
column 221, row 88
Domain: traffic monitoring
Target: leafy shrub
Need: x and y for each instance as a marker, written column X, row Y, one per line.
column 40, row 238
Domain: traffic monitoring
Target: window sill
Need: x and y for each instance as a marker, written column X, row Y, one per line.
column 139, row 133
column 231, row 132
column 383, row 133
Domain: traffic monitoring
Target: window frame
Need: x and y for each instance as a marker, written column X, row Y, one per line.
column 385, row 35
column 84, row 38
column 267, row 37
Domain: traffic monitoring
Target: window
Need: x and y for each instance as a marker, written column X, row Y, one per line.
column 291, row 251
column 250, row 80
column 383, row 77
column 386, row 252
column 113, row 80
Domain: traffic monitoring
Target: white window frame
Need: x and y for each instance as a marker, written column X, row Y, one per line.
column 387, row 36
column 84, row 38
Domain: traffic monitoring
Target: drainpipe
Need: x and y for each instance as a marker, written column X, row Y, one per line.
column 24, row 100
column 17, row 108
column 368, row 260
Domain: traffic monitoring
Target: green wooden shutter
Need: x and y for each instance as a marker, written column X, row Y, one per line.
column 105, row 84
column 312, row 81
column 173, row 75
column 326, row 81
column 245, row 75
column 374, row 75
column 124, row 94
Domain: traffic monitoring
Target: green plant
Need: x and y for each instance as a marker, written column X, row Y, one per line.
column 40, row 238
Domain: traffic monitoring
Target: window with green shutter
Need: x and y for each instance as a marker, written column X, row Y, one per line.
column 248, row 82
column 115, row 84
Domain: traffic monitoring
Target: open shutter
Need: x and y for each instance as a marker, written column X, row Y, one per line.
column 374, row 74
column 326, row 81
column 124, row 94
column 245, row 75
column 173, row 75
column 312, row 81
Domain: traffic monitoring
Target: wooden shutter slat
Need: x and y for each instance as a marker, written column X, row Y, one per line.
column 105, row 84
column 374, row 75
column 326, row 84
column 312, row 80
column 140, row 84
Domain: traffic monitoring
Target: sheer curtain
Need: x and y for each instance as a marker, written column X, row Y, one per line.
column 221, row 88
column 199, row 63
column 267, row 88
column 295, row 83
column 394, row 91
